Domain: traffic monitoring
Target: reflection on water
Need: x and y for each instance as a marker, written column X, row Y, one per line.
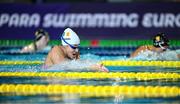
column 75, row 99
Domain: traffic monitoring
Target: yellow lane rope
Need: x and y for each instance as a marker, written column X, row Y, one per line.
column 141, row 63
column 108, row 63
column 91, row 91
column 20, row 62
column 95, row 75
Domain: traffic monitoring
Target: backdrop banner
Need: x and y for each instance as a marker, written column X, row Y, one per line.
column 91, row 20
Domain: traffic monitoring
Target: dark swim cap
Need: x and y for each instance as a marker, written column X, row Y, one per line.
column 160, row 40
column 39, row 33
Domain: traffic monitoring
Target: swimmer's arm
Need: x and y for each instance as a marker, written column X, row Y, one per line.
column 57, row 55
column 178, row 56
column 28, row 48
column 98, row 67
column 92, row 66
column 137, row 51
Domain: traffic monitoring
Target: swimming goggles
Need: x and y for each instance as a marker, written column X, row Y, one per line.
column 38, row 38
column 73, row 47
column 162, row 47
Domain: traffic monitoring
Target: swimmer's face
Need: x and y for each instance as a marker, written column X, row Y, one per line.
column 72, row 52
column 43, row 39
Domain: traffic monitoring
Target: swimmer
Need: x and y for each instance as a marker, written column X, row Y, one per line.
column 69, row 50
column 40, row 42
column 160, row 45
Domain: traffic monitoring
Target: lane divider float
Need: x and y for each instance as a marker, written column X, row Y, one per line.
column 90, row 91
column 95, row 75
column 107, row 63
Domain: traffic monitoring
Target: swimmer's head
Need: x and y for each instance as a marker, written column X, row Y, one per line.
column 69, row 37
column 71, row 42
column 39, row 33
column 160, row 40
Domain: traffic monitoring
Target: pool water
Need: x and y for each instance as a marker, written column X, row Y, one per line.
column 92, row 54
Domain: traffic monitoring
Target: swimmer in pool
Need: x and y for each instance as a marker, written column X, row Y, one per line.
column 160, row 45
column 69, row 50
column 40, row 42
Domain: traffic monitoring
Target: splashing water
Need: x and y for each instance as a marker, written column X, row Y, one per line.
column 178, row 51
column 74, row 65
column 150, row 55
column 84, row 64
column 93, row 57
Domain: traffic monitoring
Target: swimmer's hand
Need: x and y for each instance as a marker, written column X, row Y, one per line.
column 99, row 67
column 178, row 56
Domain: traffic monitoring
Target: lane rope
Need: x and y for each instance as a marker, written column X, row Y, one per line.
column 20, row 62
column 141, row 63
column 107, row 63
column 90, row 91
column 95, row 75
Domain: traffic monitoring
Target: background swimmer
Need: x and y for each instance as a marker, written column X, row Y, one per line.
column 158, row 50
column 69, row 50
column 40, row 42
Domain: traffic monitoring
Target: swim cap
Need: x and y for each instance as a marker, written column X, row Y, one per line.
column 39, row 33
column 69, row 37
column 160, row 40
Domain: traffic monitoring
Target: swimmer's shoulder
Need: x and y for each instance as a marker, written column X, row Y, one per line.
column 143, row 47
column 147, row 47
column 54, row 51
column 57, row 50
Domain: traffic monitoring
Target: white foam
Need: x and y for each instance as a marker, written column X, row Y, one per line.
column 74, row 65
column 178, row 51
column 150, row 55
